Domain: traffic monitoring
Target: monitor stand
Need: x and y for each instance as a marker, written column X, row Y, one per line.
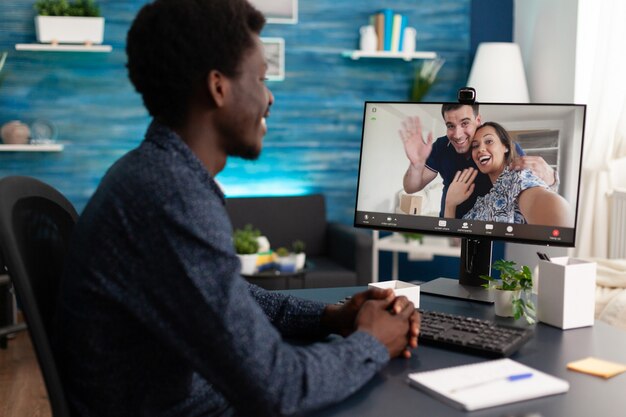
column 475, row 261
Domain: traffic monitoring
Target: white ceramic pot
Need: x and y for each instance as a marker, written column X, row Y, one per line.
column 504, row 302
column 69, row 29
column 368, row 41
column 248, row 263
column 300, row 260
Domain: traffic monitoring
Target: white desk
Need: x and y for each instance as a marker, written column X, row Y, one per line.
column 396, row 244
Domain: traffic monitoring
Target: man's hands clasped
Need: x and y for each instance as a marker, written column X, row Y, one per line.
column 390, row 319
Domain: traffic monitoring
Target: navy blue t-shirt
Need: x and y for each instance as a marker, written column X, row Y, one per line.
column 445, row 161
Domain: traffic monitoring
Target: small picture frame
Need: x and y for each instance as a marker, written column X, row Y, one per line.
column 275, row 56
column 278, row 11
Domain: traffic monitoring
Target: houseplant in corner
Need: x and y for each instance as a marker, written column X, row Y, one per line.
column 59, row 21
column 513, row 290
column 246, row 247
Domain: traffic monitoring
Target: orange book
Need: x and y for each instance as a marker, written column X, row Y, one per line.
column 380, row 30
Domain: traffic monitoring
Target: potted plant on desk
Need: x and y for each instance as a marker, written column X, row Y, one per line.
column 246, row 247
column 59, row 21
column 513, row 291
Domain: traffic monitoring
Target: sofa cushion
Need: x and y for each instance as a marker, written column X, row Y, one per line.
column 326, row 273
column 283, row 220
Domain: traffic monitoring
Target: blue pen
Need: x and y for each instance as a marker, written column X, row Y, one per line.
column 510, row 378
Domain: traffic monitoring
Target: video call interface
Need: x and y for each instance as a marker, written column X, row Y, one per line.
column 529, row 206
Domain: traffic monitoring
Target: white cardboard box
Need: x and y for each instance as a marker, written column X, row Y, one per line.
column 566, row 293
column 410, row 291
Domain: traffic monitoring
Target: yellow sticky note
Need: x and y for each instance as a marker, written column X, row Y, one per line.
column 598, row 367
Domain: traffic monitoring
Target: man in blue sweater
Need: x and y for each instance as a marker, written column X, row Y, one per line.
column 154, row 318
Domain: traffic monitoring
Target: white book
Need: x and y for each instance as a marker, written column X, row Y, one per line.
column 396, row 29
column 487, row 384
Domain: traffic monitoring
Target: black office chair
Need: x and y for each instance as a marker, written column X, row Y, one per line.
column 36, row 222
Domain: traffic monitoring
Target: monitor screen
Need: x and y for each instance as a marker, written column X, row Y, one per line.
column 466, row 180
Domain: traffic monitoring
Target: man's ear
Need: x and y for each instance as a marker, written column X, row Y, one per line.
column 479, row 120
column 218, row 87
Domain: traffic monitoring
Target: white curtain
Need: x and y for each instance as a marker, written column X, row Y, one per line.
column 605, row 137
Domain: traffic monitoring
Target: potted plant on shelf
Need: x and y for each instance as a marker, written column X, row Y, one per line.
column 59, row 21
column 298, row 248
column 246, row 247
column 513, row 290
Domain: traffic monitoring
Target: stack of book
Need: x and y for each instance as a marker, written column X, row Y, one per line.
column 389, row 29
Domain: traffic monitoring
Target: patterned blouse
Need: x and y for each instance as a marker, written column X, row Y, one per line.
column 501, row 203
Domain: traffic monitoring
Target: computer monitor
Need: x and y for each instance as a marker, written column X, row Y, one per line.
column 510, row 206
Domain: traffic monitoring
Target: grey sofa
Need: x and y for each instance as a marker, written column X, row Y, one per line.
column 337, row 255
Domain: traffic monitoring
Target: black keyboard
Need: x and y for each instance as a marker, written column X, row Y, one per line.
column 470, row 335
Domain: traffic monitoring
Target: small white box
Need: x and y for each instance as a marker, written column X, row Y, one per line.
column 410, row 291
column 566, row 293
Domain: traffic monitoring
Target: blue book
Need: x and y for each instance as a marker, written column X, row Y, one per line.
column 388, row 14
column 402, row 26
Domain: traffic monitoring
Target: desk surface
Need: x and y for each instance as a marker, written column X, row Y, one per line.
column 388, row 393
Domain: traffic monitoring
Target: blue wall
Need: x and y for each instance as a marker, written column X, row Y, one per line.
column 315, row 127
column 314, row 132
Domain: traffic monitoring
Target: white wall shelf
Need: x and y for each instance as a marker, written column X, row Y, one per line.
column 48, row 147
column 62, row 47
column 395, row 244
column 390, row 55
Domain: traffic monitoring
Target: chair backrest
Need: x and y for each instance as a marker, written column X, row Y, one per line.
column 36, row 222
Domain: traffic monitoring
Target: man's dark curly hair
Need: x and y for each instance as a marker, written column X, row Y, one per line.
column 173, row 45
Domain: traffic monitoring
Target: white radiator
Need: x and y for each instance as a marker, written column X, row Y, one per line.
column 617, row 233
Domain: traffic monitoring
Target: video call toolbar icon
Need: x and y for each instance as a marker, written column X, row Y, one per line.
column 489, row 226
column 509, row 229
column 442, row 223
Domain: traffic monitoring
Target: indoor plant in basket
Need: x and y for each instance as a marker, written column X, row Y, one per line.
column 246, row 247
column 61, row 21
column 513, row 290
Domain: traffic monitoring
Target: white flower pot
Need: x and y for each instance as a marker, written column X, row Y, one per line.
column 248, row 263
column 69, row 29
column 300, row 260
column 504, row 302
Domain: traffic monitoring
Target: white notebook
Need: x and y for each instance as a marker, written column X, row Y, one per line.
column 487, row 384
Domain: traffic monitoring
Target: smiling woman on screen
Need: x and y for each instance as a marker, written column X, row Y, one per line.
column 516, row 196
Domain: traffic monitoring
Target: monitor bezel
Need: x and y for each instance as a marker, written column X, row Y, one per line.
column 460, row 234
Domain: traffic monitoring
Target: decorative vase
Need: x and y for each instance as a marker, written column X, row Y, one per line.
column 69, row 29
column 264, row 244
column 504, row 302
column 300, row 260
column 15, row 133
column 368, row 40
column 248, row 263
column 408, row 40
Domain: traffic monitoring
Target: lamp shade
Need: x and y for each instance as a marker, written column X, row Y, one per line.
column 497, row 73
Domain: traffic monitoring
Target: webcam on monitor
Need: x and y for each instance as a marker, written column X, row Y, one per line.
column 466, row 95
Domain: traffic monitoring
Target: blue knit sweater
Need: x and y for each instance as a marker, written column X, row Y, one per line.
column 155, row 320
